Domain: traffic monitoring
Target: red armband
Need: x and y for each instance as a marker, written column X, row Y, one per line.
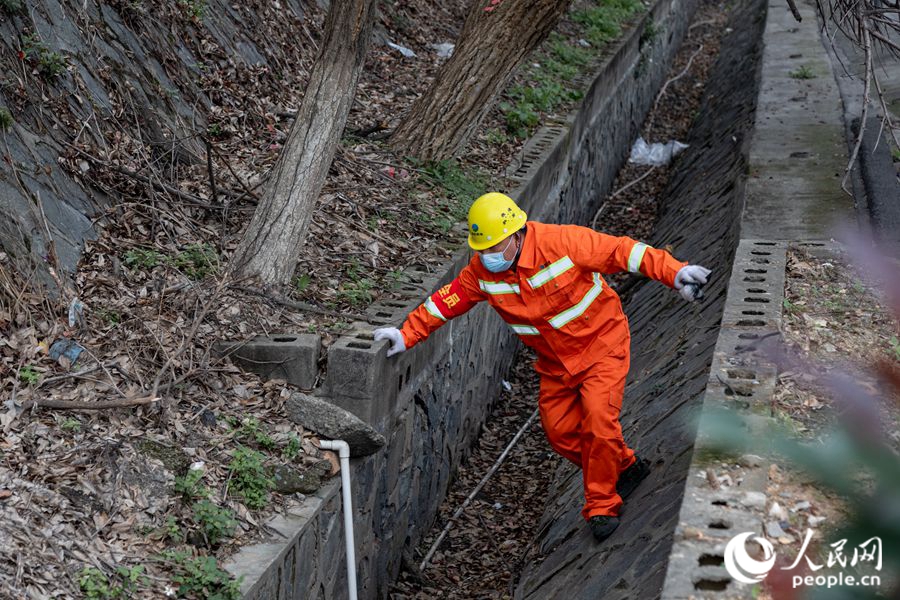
column 449, row 301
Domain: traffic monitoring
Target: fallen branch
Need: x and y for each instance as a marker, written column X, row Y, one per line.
column 164, row 187
column 471, row 496
column 794, row 10
column 616, row 193
column 72, row 375
column 867, row 46
column 74, row 405
column 662, row 90
column 188, row 339
column 209, row 169
column 304, row 306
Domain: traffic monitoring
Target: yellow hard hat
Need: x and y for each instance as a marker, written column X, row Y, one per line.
column 493, row 217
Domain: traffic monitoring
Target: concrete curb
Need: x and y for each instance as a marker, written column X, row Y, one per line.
column 882, row 188
column 742, row 378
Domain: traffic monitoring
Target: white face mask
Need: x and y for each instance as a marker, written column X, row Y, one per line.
column 494, row 261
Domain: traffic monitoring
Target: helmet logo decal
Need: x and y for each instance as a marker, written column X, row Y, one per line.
column 474, row 226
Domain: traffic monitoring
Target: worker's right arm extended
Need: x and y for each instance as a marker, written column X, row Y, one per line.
column 450, row 301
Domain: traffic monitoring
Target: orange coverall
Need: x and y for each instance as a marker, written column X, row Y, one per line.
column 557, row 301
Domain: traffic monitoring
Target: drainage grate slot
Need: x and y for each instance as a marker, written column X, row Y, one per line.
column 720, row 524
column 720, row 502
column 366, row 336
column 741, row 374
column 381, row 313
column 359, row 345
column 760, row 261
column 712, row 585
column 754, row 279
column 764, row 300
column 760, row 253
column 286, row 338
column 757, row 291
column 763, row 243
column 751, row 323
column 711, row 560
column 756, row 270
column 748, row 336
column 752, row 312
column 731, row 391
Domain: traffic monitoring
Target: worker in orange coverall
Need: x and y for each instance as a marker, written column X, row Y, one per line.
column 546, row 282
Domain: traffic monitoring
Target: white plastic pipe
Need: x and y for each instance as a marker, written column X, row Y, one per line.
column 343, row 451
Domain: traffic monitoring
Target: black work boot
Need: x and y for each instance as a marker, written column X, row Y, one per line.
column 602, row 526
column 632, row 477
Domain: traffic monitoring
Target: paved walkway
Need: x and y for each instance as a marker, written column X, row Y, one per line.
column 799, row 149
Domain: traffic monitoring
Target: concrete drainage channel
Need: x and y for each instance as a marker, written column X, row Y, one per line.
column 429, row 403
column 685, row 357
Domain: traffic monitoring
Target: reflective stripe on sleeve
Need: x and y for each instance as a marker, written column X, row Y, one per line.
column 525, row 329
column 636, row 256
column 432, row 308
column 498, row 287
column 577, row 310
column 549, row 273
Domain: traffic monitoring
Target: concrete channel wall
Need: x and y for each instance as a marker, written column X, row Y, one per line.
column 430, row 403
column 672, row 349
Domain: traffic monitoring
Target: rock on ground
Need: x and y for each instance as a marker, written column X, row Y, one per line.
column 333, row 422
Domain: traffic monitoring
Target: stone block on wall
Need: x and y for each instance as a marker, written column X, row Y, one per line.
column 289, row 356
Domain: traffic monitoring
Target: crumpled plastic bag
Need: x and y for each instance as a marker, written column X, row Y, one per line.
column 656, row 154
column 402, row 50
column 444, row 50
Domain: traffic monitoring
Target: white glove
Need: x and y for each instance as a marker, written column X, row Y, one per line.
column 691, row 274
column 393, row 335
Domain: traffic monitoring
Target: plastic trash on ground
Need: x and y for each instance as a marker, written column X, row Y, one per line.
column 67, row 349
column 444, row 50
column 402, row 50
column 76, row 313
column 656, row 154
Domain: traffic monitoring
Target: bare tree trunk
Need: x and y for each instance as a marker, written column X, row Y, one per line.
column 269, row 249
column 497, row 35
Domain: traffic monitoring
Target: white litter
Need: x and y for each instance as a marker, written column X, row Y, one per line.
column 76, row 312
column 444, row 50
column 506, row 385
column 402, row 50
column 656, row 154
